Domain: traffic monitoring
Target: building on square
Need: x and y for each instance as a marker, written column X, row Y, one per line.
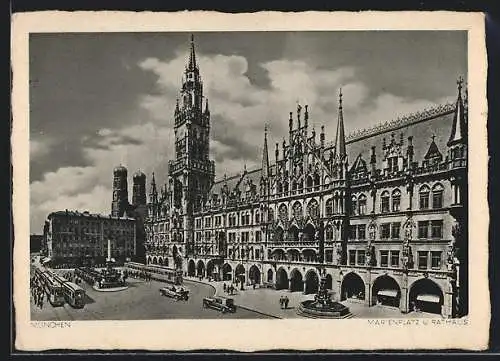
column 380, row 213
column 80, row 238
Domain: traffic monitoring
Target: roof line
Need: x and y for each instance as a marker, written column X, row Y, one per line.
column 398, row 123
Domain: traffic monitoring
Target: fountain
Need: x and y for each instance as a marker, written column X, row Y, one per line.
column 111, row 279
column 322, row 306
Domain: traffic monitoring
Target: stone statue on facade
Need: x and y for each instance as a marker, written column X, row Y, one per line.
column 450, row 256
column 338, row 249
column 407, row 255
column 370, row 254
column 317, row 236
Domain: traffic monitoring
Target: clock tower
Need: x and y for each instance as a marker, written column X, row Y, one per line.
column 192, row 173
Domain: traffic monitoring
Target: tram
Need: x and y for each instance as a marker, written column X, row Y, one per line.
column 158, row 273
column 73, row 294
column 52, row 288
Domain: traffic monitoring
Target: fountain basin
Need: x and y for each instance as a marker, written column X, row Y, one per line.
column 315, row 309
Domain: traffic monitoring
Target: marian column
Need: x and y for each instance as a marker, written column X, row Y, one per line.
column 109, row 250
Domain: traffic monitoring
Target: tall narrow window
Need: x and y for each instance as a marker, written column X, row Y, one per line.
column 422, row 259
column 392, row 164
column 437, row 196
column 361, row 231
column 353, row 206
column 436, row 259
column 384, row 258
column 396, row 200
column 362, row 204
column 395, row 230
column 424, row 197
column 361, row 257
column 352, row 257
column 384, row 202
column 329, row 233
column 385, row 230
column 437, row 229
column 329, row 207
column 423, row 229
column 352, row 232
column 394, row 258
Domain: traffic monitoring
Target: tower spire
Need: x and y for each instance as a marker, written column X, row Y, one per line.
column 192, row 55
column 265, row 156
column 340, row 151
column 459, row 127
column 153, row 190
column 207, row 111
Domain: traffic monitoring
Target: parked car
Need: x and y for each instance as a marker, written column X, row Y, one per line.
column 177, row 293
column 221, row 304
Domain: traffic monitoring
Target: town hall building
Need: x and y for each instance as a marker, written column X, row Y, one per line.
column 380, row 213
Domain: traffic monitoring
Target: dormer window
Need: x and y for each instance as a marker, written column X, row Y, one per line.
column 392, row 164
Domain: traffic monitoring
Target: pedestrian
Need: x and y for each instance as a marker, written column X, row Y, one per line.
column 253, row 286
column 286, row 302
column 224, row 287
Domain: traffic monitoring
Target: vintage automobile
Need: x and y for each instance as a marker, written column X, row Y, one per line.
column 220, row 303
column 177, row 293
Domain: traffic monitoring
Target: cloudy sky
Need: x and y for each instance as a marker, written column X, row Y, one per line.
column 98, row 100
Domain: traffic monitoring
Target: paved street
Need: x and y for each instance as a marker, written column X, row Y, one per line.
column 267, row 301
column 141, row 301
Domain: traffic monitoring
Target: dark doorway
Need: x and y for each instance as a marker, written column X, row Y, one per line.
column 353, row 287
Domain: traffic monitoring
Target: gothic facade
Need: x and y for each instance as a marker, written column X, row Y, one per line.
column 381, row 213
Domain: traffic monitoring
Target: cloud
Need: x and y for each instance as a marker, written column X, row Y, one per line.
column 239, row 107
column 142, row 147
column 39, row 148
column 239, row 111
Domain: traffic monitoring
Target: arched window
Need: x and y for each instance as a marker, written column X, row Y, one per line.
column 329, row 207
column 270, row 215
column 279, row 187
column 309, row 182
column 285, row 186
column 297, row 210
column 384, row 199
column 437, row 196
column 329, row 233
column 396, row 200
column 283, row 212
column 424, row 197
column 316, row 181
column 313, row 208
column 354, row 205
column 300, row 183
column 362, row 204
column 257, row 216
column 327, row 181
column 294, row 186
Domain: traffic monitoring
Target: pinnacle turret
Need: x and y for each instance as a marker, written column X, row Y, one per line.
column 459, row 127
column 340, row 150
column 265, row 156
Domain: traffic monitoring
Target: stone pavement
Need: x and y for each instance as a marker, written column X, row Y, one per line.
column 266, row 301
column 261, row 300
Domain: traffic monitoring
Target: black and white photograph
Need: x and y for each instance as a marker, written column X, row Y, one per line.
column 222, row 175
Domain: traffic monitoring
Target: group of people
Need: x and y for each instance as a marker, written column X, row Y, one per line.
column 145, row 276
column 70, row 276
column 284, row 302
column 37, row 292
column 229, row 289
